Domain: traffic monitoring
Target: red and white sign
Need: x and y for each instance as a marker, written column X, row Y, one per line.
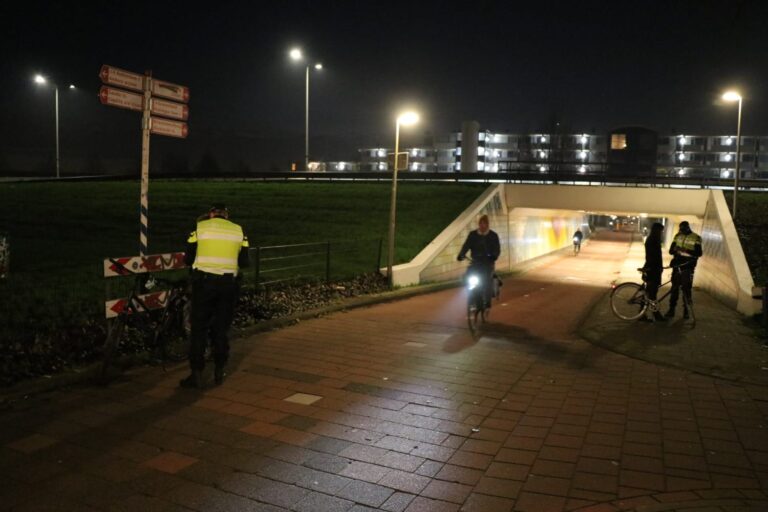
column 170, row 91
column 154, row 300
column 122, row 78
column 137, row 265
column 160, row 126
column 121, row 99
column 169, row 109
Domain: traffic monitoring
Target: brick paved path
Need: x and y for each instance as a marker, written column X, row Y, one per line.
column 395, row 407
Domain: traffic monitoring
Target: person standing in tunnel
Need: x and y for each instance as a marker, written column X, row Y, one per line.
column 652, row 269
column 484, row 248
column 686, row 251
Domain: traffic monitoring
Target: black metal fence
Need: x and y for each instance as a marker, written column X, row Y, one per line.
column 275, row 264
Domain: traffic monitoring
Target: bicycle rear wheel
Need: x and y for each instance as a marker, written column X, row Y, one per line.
column 628, row 301
column 172, row 335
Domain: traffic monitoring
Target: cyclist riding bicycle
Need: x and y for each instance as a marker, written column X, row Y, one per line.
column 484, row 248
column 686, row 251
column 578, row 236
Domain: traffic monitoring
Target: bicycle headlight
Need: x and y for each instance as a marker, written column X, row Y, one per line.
column 473, row 282
column 575, row 239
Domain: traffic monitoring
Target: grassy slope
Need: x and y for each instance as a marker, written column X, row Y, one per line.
column 752, row 225
column 60, row 232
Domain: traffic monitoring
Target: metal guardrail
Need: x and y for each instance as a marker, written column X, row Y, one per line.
column 517, row 176
column 275, row 264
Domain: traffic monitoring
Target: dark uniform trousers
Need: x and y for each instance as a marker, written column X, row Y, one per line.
column 213, row 306
column 681, row 278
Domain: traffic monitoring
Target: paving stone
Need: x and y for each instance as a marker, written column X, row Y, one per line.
column 317, row 502
column 366, row 493
column 397, row 502
column 404, row 481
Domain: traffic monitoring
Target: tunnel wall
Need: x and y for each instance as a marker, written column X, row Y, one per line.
column 723, row 271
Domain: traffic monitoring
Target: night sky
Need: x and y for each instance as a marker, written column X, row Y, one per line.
column 513, row 66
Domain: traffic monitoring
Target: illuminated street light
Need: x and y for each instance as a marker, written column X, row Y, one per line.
column 297, row 55
column 735, row 96
column 405, row 119
column 41, row 80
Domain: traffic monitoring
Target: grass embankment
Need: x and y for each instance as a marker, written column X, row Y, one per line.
column 752, row 225
column 60, row 233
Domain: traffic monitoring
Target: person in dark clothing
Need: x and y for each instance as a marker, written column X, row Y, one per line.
column 686, row 251
column 216, row 250
column 484, row 248
column 653, row 268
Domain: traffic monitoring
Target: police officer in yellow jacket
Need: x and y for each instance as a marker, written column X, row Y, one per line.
column 216, row 250
column 686, row 251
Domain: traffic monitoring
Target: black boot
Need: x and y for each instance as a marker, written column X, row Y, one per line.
column 193, row 381
column 218, row 375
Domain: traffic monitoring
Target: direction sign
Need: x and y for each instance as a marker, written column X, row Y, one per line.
column 160, row 126
column 153, row 300
column 121, row 99
column 170, row 91
column 402, row 160
column 116, row 76
column 169, row 109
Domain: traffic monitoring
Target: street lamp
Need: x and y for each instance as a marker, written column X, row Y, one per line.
column 735, row 96
column 297, row 55
column 41, row 80
column 404, row 119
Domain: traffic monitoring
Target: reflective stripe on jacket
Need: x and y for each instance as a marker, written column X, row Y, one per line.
column 219, row 242
column 687, row 242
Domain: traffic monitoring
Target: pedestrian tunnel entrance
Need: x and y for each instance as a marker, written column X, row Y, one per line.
column 537, row 221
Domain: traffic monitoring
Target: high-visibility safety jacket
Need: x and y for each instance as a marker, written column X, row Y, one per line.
column 691, row 244
column 219, row 243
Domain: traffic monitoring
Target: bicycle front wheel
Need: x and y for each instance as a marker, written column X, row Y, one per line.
column 628, row 301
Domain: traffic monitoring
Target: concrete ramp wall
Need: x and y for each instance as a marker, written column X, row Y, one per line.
column 536, row 220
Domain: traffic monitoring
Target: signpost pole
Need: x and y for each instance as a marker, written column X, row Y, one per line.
column 145, row 131
column 392, row 209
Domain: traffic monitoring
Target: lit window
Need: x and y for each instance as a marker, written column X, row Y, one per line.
column 543, row 139
column 582, row 155
column 458, row 151
column 458, row 166
column 543, row 169
column 382, row 153
column 481, row 151
column 480, row 166
column 374, row 152
column 682, row 140
column 414, row 152
column 725, row 174
column 728, row 158
column 680, row 157
column 414, row 166
column 542, row 154
column 481, row 136
column 582, row 169
column 584, row 139
column 497, row 153
column 382, row 166
column 681, row 172
column 495, row 167
column 619, row 141
column 340, row 166
column 728, row 141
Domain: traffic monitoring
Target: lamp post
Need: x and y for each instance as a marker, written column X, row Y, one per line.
column 297, row 55
column 735, row 96
column 41, row 80
column 404, row 119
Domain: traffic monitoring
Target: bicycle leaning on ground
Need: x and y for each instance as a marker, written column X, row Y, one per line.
column 161, row 319
column 629, row 301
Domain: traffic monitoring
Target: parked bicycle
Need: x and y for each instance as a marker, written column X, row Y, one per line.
column 629, row 300
column 158, row 319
